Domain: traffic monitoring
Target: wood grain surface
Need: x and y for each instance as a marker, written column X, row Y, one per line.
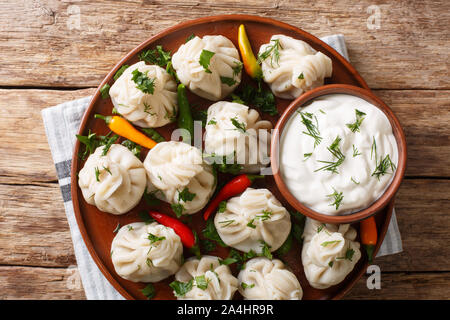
column 54, row 51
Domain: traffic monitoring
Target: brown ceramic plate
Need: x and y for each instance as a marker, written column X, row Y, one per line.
column 97, row 227
column 397, row 130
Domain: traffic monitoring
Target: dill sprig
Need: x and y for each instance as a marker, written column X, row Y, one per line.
column 382, row 168
column 337, row 196
column 240, row 126
column 355, row 126
column 313, row 128
column 272, row 51
column 373, row 150
column 355, row 151
column 337, row 153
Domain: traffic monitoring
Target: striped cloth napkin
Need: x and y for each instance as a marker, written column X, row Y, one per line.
column 61, row 124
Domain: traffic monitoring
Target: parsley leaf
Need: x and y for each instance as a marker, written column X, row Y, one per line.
column 205, row 59
column 210, row 232
column 133, row 147
column 228, row 81
column 240, row 126
column 143, row 82
column 177, row 209
column 156, row 56
column 185, row 195
column 181, row 288
column 201, row 282
column 149, row 291
column 154, row 238
column 245, row 286
column 261, row 99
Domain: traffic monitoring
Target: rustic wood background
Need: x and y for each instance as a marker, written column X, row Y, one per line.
column 54, row 51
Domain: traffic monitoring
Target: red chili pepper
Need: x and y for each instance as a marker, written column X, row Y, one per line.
column 232, row 188
column 184, row 232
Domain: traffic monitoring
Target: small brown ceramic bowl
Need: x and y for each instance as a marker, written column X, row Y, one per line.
column 390, row 192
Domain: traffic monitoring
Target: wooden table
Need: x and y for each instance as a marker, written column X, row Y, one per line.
column 54, row 51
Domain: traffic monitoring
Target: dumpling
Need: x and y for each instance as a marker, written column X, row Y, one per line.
column 177, row 174
column 114, row 182
column 292, row 67
column 264, row 279
column 145, row 109
column 210, row 279
column 216, row 80
column 235, row 130
column 146, row 252
column 252, row 220
column 329, row 253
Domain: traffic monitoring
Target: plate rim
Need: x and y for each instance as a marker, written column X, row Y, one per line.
column 185, row 24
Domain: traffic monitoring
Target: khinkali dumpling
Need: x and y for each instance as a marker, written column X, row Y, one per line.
column 145, row 109
column 233, row 129
column 264, row 279
column 210, row 279
column 292, row 66
column 178, row 171
column 219, row 78
column 253, row 219
column 114, row 182
column 329, row 253
column 146, row 252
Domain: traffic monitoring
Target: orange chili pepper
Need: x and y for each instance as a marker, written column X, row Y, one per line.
column 251, row 64
column 369, row 235
column 125, row 129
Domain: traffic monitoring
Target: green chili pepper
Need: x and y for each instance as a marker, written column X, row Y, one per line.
column 185, row 120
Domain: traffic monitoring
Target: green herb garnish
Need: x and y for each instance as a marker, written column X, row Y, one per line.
column 152, row 133
column 337, row 153
column 311, row 127
column 154, row 238
column 307, row 155
column 133, row 147
column 348, row 255
column 237, row 68
column 354, row 181
column 201, row 282
column 326, row 243
column 212, row 122
column 97, row 174
column 192, row 36
column 240, row 126
column 250, row 224
column 266, row 214
column 383, row 167
column 181, row 288
column 259, row 98
column 226, row 223
column 156, row 56
column 272, row 51
column 301, row 76
column 149, row 291
column 210, row 232
column 145, row 217
column 178, row 209
column 143, row 82
column 185, row 195
column 245, row 286
column 117, row 228
column 265, row 250
column 205, row 59
column 108, row 142
column 337, row 196
column 222, row 206
column 355, row 127
column 228, row 81
column 355, row 151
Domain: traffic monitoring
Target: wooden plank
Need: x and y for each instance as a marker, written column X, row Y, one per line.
column 34, row 229
column 40, row 283
column 60, row 283
column 76, row 44
column 404, row 286
column 25, row 152
column 424, row 114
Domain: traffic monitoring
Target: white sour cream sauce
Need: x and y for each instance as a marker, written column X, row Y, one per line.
column 311, row 188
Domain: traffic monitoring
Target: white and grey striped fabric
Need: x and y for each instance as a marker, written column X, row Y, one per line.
column 61, row 124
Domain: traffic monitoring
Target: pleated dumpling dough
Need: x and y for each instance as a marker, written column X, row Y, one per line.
column 146, row 252
column 329, row 253
column 264, row 279
column 147, row 110
column 248, row 137
column 114, row 182
column 217, row 281
column 252, row 219
column 223, row 65
column 175, row 166
column 296, row 69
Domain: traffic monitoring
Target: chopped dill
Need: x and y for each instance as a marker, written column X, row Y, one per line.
column 383, row 167
column 337, row 196
column 355, row 151
column 313, row 129
column 337, row 153
column 272, row 51
column 355, row 127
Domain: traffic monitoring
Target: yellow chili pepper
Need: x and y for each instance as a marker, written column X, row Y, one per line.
column 251, row 64
column 125, row 129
